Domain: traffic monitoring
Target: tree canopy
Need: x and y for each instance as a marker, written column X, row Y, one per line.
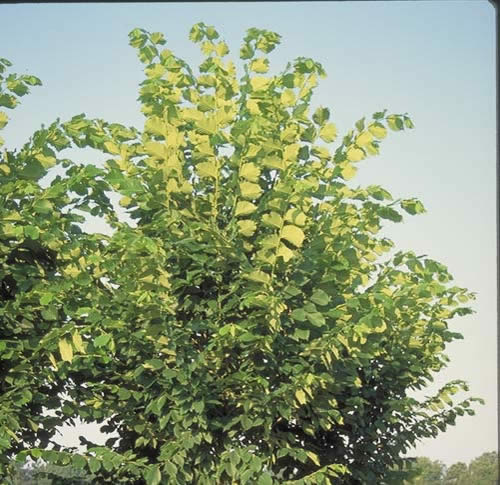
column 246, row 321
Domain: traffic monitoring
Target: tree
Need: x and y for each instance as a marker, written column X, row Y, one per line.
column 484, row 469
column 457, row 474
column 430, row 472
column 250, row 325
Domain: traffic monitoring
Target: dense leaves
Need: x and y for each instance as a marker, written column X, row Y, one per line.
column 250, row 325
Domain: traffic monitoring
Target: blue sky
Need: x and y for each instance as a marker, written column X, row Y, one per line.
column 434, row 60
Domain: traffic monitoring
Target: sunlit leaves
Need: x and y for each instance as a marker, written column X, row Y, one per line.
column 250, row 190
column 355, row 154
column 258, row 277
column 247, row 227
column 259, row 83
column 244, row 208
column 250, row 171
column 207, row 169
column 259, row 65
column 66, row 350
column 328, row 132
column 293, row 234
column 378, row 130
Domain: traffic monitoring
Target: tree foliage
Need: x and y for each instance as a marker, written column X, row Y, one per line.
column 248, row 323
column 483, row 470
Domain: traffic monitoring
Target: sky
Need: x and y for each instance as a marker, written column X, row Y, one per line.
column 433, row 60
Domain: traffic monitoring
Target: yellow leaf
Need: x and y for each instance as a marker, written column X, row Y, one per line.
column 348, row 171
column 377, row 130
column 287, row 97
column 66, row 350
column 250, row 171
column 246, row 227
column 314, row 457
column 355, row 154
column 296, row 216
column 78, row 342
column 243, row 208
column 300, row 395
column 260, row 65
column 222, row 49
column 293, row 234
column 290, row 152
column 207, row 169
column 112, row 147
column 259, row 83
column 155, row 149
column 272, row 219
column 125, row 201
column 53, row 361
column 328, row 132
column 155, row 125
column 258, row 276
column 46, row 161
column 273, row 162
column 364, row 138
column 285, row 252
column 253, row 107
column 250, row 190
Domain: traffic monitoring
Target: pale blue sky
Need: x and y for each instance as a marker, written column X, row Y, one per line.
column 434, row 60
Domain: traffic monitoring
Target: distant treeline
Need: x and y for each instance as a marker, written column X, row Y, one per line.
column 482, row 470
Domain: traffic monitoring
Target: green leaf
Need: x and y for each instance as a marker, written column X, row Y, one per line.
column 301, row 334
column 412, row 206
column 42, row 206
column 320, row 297
column 390, row 214
column 102, row 340
column 94, row 464
column 46, row 298
column 78, row 461
column 293, row 234
column 316, row 318
column 244, row 208
column 265, row 479
column 32, row 232
column 198, row 406
column 66, row 350
column 395, row 123
column 321, row 116
column 298, row 314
